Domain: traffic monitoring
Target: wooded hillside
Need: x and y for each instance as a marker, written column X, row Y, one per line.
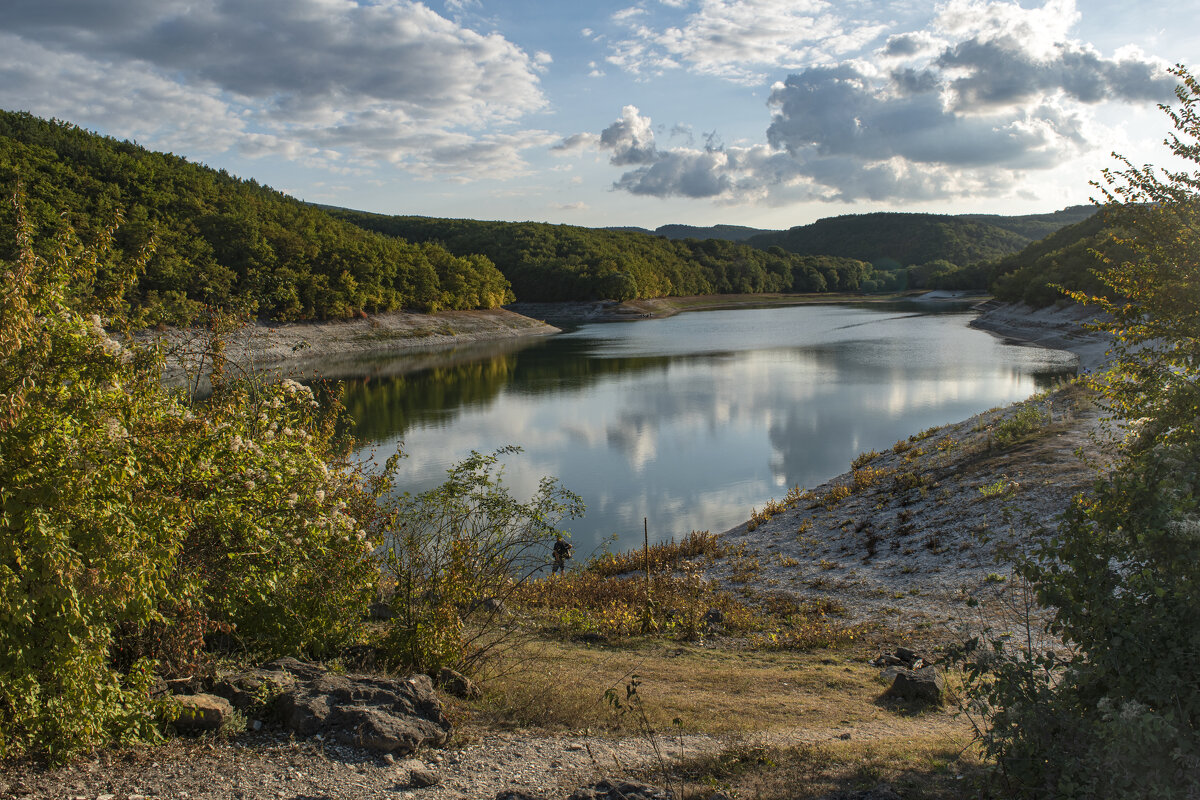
column 219, row 240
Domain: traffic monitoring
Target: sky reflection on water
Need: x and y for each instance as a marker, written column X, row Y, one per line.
column 692, row 420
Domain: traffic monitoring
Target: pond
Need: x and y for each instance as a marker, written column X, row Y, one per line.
column 690, row 421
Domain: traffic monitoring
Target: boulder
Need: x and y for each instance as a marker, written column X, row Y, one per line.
column 458, row 685
column 925, row 686
column 383, row 714
column 200, row 712
column 380, row 611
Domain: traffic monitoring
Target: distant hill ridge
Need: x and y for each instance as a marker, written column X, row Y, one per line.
column 882, row 235
column 222, row 241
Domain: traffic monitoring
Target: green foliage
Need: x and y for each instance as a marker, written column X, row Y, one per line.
column 134, row 525
column 1027, row 420
column 1119, row 715
column 900, row 239
column 1068, row 260
column 216, row 240
column 551, row 263
column 455, row 556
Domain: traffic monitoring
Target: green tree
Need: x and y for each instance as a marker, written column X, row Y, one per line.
column 1119, row 714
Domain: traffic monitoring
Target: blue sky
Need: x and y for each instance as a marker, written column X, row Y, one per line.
column 751, row 112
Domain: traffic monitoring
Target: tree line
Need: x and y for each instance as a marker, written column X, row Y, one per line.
column 211, row 239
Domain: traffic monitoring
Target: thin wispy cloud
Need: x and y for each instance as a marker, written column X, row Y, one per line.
column 739, row 40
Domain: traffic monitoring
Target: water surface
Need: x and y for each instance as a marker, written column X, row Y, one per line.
column 690, row 421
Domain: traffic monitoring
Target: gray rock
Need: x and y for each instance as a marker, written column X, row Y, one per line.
column 924, row 685
column 377, row 713
column 515, row 794
column 619, row 790
column 200, row 712
column 421, row 777
column 380, row 611
column 458, row 685
column 494, row 605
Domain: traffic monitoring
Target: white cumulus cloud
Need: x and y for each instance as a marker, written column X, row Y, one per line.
column 391, row 81
column 740, row 39
column 990, row 92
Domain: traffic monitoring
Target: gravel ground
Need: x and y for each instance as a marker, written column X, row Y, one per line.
column 274, row 766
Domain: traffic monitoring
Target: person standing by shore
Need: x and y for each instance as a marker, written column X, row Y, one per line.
column 562, row 553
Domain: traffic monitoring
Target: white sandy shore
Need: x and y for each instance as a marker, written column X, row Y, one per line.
column 293, row 347
column 924, row 545
column 1053, row 327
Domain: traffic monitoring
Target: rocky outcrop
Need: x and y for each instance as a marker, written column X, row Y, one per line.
column 383, row 714
column 199, row 712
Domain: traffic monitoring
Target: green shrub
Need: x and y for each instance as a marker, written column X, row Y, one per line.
column 1118, row 714
column 457, row 553
column 133, row 525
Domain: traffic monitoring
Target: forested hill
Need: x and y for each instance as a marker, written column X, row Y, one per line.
column 733, row 233
column 900, row 239
column 1068, row 258
column 219, row 240
column 562, row 262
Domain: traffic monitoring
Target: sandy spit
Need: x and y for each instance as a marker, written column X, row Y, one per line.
column 291, row 347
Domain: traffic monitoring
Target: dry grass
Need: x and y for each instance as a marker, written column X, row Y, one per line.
column 711, row 690
column 924, row 764
column 667, row 555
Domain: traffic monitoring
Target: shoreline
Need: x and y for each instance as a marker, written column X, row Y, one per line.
column 919, row 535
column 1058, row 328
column 663, row 307
column 293, row 348
column 296, row 348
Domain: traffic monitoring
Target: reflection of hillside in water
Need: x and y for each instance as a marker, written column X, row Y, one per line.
column 397, row 394
column 672, row 421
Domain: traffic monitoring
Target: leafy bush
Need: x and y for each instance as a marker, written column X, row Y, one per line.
column 455, row 556
column 135, row 525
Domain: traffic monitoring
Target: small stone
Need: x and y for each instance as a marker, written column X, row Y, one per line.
column 422, row 777
column 256, row 725
column 388, row 758
column 574, row 748
column 845, row 737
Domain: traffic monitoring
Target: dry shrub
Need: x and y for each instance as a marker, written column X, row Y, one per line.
column 667, row 555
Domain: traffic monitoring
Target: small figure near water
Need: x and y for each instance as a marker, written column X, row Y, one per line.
column 562, row 553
